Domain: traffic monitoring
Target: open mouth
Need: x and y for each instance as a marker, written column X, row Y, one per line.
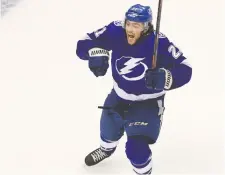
column 130, row 36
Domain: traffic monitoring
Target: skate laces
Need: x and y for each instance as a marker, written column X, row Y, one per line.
column 98, row 155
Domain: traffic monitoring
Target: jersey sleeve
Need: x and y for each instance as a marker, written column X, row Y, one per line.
column 172, row 59
column 100, row 38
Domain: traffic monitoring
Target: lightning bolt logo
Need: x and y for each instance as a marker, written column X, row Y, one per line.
column 129, row 65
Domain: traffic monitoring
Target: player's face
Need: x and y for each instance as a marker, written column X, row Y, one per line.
column 133, row 31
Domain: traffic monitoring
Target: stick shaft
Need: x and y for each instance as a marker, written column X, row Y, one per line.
column 156, row 42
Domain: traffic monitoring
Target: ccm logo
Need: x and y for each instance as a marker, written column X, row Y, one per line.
column 138, row 124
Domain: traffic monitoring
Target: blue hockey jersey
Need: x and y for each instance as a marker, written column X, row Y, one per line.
column 129, row 62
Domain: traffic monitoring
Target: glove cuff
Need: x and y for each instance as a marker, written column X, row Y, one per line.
column 96, row 52
column 168, row 78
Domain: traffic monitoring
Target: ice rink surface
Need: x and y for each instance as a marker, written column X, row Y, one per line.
column 49, row 119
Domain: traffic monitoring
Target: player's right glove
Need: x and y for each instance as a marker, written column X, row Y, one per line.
column 98, row 61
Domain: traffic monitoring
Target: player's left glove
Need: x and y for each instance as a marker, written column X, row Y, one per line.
column 158, row 79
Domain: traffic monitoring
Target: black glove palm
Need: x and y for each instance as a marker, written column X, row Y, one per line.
column 98, row 65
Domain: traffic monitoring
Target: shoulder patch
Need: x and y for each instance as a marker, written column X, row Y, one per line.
column 161, row 35
column 118, row 23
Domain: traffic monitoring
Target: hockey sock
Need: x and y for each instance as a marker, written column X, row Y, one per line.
column 108, row 146
column 139, row 154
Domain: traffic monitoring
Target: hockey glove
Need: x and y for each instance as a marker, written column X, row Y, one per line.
column 158, row 79
column 98, row 61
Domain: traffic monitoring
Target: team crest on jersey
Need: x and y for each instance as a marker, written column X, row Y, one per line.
column 130, row 68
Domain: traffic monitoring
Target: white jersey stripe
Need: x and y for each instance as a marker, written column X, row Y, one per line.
column 132, row 97
column 186, row 62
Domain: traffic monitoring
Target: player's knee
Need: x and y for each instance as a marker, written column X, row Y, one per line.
column 137, row 150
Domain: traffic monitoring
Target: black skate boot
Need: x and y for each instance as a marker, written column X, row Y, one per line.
column 97, row 156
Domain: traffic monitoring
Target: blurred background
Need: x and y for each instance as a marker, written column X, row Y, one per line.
column 6, row 5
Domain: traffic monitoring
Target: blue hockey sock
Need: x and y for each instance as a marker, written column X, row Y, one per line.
column 139, row 154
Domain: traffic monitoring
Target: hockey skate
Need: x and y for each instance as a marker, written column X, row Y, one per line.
column 97, row 156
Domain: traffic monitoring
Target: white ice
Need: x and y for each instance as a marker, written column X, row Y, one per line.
column 49, row 119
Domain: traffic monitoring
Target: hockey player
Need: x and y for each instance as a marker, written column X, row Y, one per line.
column 136, row 103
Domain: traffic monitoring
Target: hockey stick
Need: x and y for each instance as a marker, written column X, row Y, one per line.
column 156, row 42
column 105, row 107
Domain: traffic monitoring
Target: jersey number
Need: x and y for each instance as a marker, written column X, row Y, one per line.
column 100, row 31
column 175, row 54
